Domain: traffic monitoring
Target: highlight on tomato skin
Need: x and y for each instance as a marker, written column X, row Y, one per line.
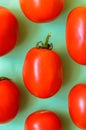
column 41, row 11
column 76, row 34
column 43, row 120
column 9, row 100
column 77, row 105
column 42, row 70
column 9, row 30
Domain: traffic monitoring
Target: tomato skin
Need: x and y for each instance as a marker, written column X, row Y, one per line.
column 43, row 120
column 9, row 100
column 8, row 31
column 76, row 34
column 42, row 72
column 41, row 10
column 77, row 105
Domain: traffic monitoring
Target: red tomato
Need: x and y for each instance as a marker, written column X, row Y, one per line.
column 42, row 72
column 41, row 10
column 9, row 100
column 77, row 105
column 8, row 31
column 76, row 34
column 43, row 120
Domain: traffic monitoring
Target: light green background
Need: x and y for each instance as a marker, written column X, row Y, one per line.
column 11, row 65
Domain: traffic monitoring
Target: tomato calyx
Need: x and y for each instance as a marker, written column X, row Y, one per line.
column 45, row 45
column 4, row 78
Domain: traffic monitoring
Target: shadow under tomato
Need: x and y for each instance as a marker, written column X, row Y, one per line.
column 61, row 19
column 24, row 96
column 71, row 70
column 27, row 29
column 24, row 99
column 68, row 6
column 66, row 122
column 27, row 99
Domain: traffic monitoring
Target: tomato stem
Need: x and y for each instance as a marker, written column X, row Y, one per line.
column 45, row 45
column 47, row 39
column 3, row 78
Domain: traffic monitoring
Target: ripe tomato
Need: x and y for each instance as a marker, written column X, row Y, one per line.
column 41, row 10
column 77, row 105
column 9, row 100
column 42, row 71
column 8, row 31
column 43, row 120
column 76, row 34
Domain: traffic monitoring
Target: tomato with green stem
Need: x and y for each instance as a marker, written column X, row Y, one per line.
column 9, row 100
column 40, row 11
column 43, row 120
column 42, row 70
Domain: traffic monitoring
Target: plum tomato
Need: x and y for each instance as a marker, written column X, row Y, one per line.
column 42, row 70
column 9, row 100
column 41, row 11
column 77, row 105
column 8, row 30
column 76, row 34
column 43, row 120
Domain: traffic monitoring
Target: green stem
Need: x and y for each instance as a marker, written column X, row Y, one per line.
column 47, row 40
column 3, row 78
column 45, row 45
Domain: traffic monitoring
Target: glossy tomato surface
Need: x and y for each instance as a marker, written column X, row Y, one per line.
column 43, row 120
column 8, row 31
column 9, row 100
column 42, row 72
column 77, row 105
column 41, row 10
column 76, row 34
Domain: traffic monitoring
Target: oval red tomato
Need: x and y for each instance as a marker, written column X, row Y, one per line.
column 43, row 120
column 9, row 100
column 42, row 72
column 76, row 34
column 77, row 105
column 41, row 10
column 8, row 31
